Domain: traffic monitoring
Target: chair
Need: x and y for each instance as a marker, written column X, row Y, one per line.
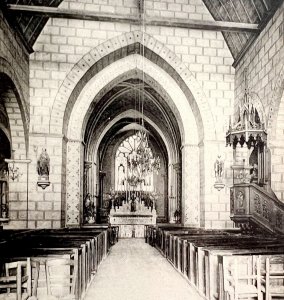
column 19, row 276
column 242, row 278
column 61, row 278
column 274, row 277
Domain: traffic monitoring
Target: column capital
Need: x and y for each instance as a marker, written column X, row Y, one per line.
column 88, row 164
column 177, row 167
column 17, row 161
column 188, row 146
column 75, row 141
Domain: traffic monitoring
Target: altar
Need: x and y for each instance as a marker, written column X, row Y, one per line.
column 131, row 218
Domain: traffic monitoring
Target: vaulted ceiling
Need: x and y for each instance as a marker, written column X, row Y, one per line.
column 127, row 96
column 241, row 11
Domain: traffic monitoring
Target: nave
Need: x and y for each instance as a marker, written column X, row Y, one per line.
column 136, row 271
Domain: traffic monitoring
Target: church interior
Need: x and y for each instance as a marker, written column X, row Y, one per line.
column 141, row 149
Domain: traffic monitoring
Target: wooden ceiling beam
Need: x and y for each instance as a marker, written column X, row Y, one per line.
column 53, row 12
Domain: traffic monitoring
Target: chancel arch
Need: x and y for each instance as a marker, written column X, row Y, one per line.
column 93, row 148
column 115, row 49
column 93, row 87
column 89, row 81
column 122, row 126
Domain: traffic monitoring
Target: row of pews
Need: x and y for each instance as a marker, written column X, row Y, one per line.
column 224, row 264
column 52, row 264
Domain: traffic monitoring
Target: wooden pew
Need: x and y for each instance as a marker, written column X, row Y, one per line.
column 91, row 247
column 197, row 255
column 213, row 261
column 88, row 243
column 181, row 259
column 187, row 250
column 198, row 272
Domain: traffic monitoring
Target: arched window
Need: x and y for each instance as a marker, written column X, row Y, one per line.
column 127, row 177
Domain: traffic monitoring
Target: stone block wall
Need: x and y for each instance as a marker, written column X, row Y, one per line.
column 14, row 95
column 264, row 62
column 63, row 43
column 46, row 204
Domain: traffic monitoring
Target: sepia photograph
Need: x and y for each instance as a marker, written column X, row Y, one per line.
column 141, row 149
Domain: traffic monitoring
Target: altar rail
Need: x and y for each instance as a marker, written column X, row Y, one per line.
column 80, row 251
column 253, row 208
column 223, row 264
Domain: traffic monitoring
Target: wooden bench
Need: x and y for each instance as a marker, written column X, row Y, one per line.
column 86, row 248
column 190, row 251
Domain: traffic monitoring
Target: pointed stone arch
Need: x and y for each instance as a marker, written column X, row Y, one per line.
column 16, row 107
column 117, row 48
column 275, row 103
column 88, row 79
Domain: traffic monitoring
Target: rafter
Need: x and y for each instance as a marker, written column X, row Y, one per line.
column 265, row 4
column 237, row 15
column 94, row 16
column 243, row 6
column 256, row 9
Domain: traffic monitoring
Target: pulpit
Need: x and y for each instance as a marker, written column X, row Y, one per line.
column 131, row 217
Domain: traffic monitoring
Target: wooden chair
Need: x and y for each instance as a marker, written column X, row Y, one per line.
column 61, row 278
column 242, row 278
column 19, row 276
column 274, row 277
column 33, row 281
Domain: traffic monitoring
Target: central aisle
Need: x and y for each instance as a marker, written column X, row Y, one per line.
column 136, row 271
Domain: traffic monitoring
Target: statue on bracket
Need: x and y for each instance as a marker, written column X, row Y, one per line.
column 219, row 172
column 89, row 209
column 43, row 167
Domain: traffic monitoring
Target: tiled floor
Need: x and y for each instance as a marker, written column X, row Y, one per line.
column 136, row 271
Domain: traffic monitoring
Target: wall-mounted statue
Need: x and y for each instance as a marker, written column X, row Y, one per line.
column 89, row 209
column 43, row 168
column 219, row 172
column 219, row 168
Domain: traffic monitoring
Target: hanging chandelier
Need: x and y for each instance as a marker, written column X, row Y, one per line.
column 141, row 162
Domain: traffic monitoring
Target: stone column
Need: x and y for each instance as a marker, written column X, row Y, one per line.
column 171, row 194
column 87, row 178
column 190, row 186
column 89, row 200
column 177, row 189
column 74, row 177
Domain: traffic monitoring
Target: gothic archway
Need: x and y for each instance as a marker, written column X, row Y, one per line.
column 89, row 80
